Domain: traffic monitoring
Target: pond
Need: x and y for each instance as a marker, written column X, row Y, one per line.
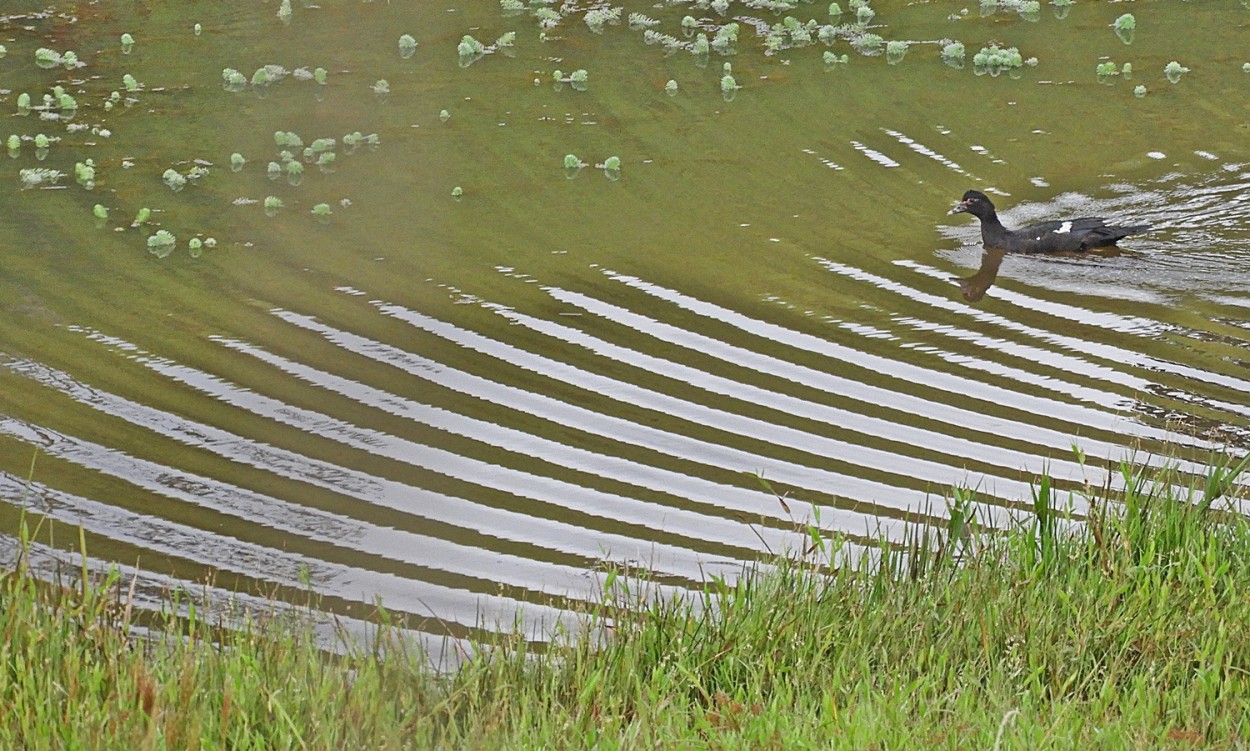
column 514, row 331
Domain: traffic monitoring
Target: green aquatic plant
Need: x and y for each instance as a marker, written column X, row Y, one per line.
column 42, row 141
column 84, row 174
column 612, row 164
column 33, row 177
column 237, row 161
column 407, row 45
column 14, row 143
column 864, row 14
column 210, row 242
column 3, row 50
column 457, row 191
column 507, row 40
column 1124, row 26
column 895, row 50
column 233, row 80
column 670, row 88
column 868, row 44
column 141, row 216
column 1174, row 70
column 129, row 83
column 1139, row 91
column 1127, row 70
column 832, row 58
column 322, row 210
column 835, row 10
column 261, row 77
column 174, row 179
column 67, row 102
column 596, row 18
column 99, row 211
column 701, row 45
column 194, row 244
column 46, row 57
column 23, row 103
column 579, row 76
column 470, row 47
column 320, row 75
column 294, row 169
column 689, row 22
column 128, row 43
column 162, row 243
column 1245, row 67
column 273, row 203
column 725, row 38
column 284, row 11
column 727, row 83
column 1107, row 69
column 994, row 59
column 641, row 21
column 322, row 144
column 326, row 160
column 443, row 115
column 572, row 162
column 381, row 87
column 288, row 139
column 197, row 29
column 511, row 6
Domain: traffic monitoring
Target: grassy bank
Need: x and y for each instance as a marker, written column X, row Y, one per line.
column 1131, row 630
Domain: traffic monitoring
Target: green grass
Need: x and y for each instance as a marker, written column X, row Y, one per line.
column 1130, row 629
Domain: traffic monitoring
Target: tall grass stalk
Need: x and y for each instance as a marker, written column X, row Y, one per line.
column 1129, row 628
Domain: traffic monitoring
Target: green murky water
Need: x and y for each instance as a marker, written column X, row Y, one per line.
column 462, row 403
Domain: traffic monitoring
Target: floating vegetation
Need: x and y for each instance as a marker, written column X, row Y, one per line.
column 469, row 49
column 895, row 51
column 130, row 84
column 197, row 29
column 174, row 179
column 512, row 6
column 953, row 54
column 443, row 115
column 321, row 75
column 701, row 46
column 128, row 44
column 42, row 142
column 45, row 57
column 1127, row 70
column 639, row 21
column 23, row 103
column 274, row 170
column 14, row 144
column 864, row 14
column 727, row 83
column 578, row 79
column 326, row 160
column 868, row 43
column 407, row 46
column 284, row 11
column 994, row 60
column 99, row 211
column 595, row 19
column 381, row 87
column 162, row 243
column 141, row 217
column 670, row 88
column 322, row 210
column 3, row 50
column 1125, row 25
column 33, row 177
column 233, row 80
column 1139, row 91
column 84, row 174
column 457, row 191
column 612, row 167
column 835, row 10
column 1174, row 70
column 1106, row 70
column 572, row 162
column 832, row 58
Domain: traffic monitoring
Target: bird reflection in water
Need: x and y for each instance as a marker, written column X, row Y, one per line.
column 974, row 287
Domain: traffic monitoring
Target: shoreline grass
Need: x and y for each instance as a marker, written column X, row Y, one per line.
column 1129, row 629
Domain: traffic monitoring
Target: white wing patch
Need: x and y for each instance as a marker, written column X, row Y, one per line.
column 1064, row 228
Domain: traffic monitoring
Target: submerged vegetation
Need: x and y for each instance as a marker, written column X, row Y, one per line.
column 1120, row 630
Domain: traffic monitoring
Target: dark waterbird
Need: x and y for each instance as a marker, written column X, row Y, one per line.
column 1044, row 237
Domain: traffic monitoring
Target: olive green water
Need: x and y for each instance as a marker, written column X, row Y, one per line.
column 459, row 404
